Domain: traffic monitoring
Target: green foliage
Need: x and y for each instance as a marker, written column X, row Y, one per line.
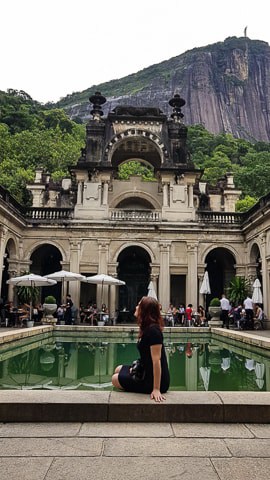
column 26, row 294
column 215, row 302
column 238, row 289
column 245, row 203
column 46, row 137
column 128, row 169
column 33, row 135
column 50, row 299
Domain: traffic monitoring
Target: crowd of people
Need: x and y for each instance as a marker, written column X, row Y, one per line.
column 185, row 316
column 243, row 316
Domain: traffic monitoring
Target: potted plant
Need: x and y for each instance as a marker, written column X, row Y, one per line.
column 215, row 310
column 50, row 307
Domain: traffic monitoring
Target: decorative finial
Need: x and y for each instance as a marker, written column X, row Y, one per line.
column 97, row 100
column 177, row 102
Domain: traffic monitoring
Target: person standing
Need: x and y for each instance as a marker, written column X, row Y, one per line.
column 248, row 306
column 225, row 308
column 155, row 378
column 68, row 310
column 189, row 312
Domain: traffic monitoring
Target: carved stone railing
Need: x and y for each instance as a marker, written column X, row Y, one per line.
column 135, row 215
column 231, row 218
column 40, row 213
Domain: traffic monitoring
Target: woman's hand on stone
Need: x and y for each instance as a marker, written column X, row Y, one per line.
column 157, row 396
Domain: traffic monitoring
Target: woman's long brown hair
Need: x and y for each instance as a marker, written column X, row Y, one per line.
column 149, row 314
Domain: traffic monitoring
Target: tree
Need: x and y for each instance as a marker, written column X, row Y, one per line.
column 135, row 168
column 245, row 203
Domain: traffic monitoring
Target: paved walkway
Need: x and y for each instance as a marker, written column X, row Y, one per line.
column 67, row 451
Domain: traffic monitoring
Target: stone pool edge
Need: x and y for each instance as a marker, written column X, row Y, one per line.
column 113, row 406
column 79, row 406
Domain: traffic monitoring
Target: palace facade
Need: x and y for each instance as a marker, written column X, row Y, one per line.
column 169, row 230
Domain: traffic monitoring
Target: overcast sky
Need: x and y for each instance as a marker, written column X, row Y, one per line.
column 51, row 48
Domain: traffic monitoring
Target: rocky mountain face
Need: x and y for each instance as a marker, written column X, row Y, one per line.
column 226, row 87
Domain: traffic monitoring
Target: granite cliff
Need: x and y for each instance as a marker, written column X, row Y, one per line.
column 226, row 87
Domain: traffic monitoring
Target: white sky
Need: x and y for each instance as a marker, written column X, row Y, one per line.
column 51, row 48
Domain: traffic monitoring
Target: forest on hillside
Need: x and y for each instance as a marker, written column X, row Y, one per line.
column 34, row 135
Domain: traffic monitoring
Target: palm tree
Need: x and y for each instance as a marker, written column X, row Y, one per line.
column 238, row 290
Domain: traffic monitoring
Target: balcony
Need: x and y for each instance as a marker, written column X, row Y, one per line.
column 40, row 213
column 230, row 218
column 135, row 216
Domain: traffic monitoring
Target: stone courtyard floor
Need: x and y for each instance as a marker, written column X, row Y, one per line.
column 184, row 451
column 58, row 451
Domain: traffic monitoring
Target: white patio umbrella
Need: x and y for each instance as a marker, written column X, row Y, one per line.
column 152, row 291
column 65, row 276
column 31, row 280
column 205, row 286
column 257, row 293
column 102, row 279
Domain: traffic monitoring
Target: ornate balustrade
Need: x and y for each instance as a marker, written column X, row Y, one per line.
column 135, row 215
column 220, row 217
column 39, row 213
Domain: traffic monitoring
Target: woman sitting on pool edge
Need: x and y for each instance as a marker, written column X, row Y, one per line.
column 156, row 379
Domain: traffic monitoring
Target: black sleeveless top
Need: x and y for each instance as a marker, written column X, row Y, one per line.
column 151, row 336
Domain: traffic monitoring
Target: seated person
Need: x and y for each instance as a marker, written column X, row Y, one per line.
column 202, row 316
column 104, row 313
column 35, row 313
column 24, row 314
column 60, row 313
column 176, row 316
column 182, row 312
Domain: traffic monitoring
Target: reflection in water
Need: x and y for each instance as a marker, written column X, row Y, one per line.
column 88, row 365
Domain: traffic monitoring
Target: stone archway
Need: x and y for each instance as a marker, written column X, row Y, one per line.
column 221, row 269
column 134, row 268
column 9, row 256
column 44, row 260
column 256, row 261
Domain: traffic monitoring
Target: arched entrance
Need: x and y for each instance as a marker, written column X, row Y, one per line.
column 221, row 269
column 9, row 256
column 134, row 268
column 47, row 259
column 256, row 261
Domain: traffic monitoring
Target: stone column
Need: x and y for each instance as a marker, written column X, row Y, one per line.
column 80, row 193
column 265, row 276
column 105, row 193
column 112, row 300
column 190, row 195
column 12, row 297
column 164, row 277
column 3, row 234
column 103, row 259
column 75, row 287
column 165, row 195
column 192, row 276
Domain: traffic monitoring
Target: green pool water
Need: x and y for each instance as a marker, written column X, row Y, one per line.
column 87, row 363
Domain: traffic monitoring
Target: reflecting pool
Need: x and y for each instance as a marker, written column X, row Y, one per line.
column 69, row 363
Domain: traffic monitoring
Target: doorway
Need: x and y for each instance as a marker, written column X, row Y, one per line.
column 134, row 268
